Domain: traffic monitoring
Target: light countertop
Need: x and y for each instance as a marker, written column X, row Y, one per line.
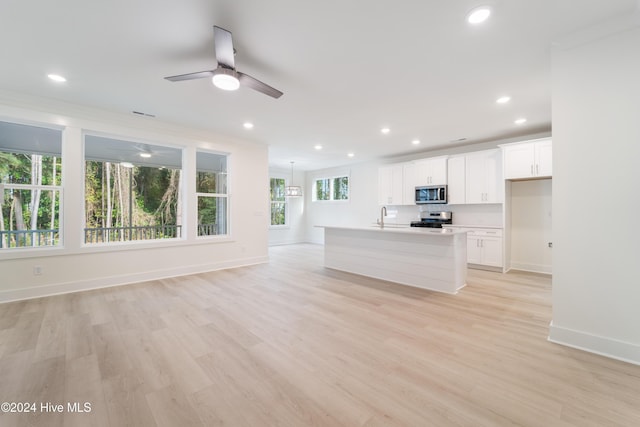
column 496, row 227
column 395, row 228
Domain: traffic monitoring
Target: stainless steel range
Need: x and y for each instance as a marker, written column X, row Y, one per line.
column 433, row 219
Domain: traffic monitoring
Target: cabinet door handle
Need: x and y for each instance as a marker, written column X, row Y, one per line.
column 537, row 171
column 531, row 169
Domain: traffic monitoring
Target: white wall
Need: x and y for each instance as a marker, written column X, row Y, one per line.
column 74, row 267
column 531, row 229
column 596, row 155
column 362, row 208
column 294, row 231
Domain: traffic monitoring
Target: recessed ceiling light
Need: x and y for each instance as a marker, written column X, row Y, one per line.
column 415, row 142
column 385, row 130
column 520, row 121
column 57, row 78
column 247, row 125
column 350, row 154
column 503, row 99
column 318, row 147
column 145, row 155
column 478, row 15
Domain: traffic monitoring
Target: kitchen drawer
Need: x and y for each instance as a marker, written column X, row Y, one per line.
column 477, row 231
column 484, row 232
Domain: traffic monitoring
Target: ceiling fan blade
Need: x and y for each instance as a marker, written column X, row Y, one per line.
column 224, row 47
column 190, row 76
column 255, row 84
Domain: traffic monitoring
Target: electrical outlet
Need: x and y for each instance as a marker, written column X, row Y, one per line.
column 37, row 270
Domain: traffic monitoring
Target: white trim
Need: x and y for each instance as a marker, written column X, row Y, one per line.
column 287, row 220
column 532, row 268
column 8, row 185
column 608, row 347
column 331, row 188
column 106, row 282
column 47, row 251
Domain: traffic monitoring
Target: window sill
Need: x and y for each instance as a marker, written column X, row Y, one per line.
column 14, row 254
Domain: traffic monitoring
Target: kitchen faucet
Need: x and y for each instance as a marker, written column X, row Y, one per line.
column 383, row 213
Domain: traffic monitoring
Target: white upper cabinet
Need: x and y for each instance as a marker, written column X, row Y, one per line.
column 528, row 159
column 397, row 182
column 456, row 180
column 390, row 184
column 409, row 183
column 544, row 158
column 431, row 171
column 483, row 179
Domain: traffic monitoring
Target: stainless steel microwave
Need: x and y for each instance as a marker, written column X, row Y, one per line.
column 431, row 194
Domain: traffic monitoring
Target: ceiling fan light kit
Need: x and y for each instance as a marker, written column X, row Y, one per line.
column 225, row 79
column 225, row 76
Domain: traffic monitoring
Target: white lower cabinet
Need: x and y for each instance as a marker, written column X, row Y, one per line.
column 484, row 245
column 484, row 250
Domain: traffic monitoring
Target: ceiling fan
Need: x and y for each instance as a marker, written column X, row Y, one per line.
column 225, row 76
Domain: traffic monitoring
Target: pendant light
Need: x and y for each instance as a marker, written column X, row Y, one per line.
column 292, row 190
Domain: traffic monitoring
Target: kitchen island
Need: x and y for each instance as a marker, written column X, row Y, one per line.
column 429, row 258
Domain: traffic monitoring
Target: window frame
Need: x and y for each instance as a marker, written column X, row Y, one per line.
column 331, row 179
column 58, row 190
column 287, row 223
column 198, row 194
column 123, row 244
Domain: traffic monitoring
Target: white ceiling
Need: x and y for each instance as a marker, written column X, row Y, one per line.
column 346, row 68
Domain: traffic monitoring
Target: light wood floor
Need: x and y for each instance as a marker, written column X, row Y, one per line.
column 293, row 344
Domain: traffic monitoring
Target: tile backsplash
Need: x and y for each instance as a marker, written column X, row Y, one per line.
column 486, row 214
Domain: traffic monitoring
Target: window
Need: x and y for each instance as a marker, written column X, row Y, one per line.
column 341, row 188
column 211, row 190
column 334, row 188
column 323, row 191
column 133, row 191
column 278, row 202
column 30, row 186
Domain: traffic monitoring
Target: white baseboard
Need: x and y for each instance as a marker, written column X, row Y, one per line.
column 608, row 347
column 110, row 281
column 485, row 268
column 286, row 242
column 532, row 268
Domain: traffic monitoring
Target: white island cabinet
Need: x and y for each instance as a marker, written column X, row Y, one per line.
column 434, row 259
